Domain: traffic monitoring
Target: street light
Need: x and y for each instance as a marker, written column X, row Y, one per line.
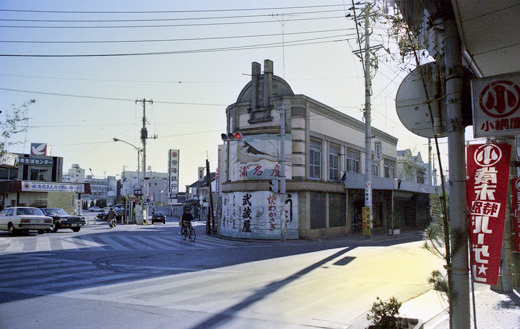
column 138, row 157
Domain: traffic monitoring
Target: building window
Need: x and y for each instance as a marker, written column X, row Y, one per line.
column 334, row 163
column 375, row 168
column 389, row 168
column 421, row 177
column 315, row 160
column 38, row 174
column 353, row 161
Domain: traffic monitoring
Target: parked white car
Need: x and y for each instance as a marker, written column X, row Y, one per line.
column 24, row 219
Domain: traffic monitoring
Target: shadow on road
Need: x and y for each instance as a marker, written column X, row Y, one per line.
column 219, row 320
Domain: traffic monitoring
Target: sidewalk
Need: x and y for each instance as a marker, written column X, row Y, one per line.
column 495, row 310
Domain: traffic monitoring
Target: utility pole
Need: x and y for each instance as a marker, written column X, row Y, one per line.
column 458, row 274
column 364, row 55
column 144, row 137
column 368, row 119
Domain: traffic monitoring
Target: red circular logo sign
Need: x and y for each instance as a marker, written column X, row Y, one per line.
column 500, row 99
column 487, row 155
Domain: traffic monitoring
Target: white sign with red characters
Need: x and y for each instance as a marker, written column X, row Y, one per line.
column 515, row 211
column 487, row 183
column 496, row 105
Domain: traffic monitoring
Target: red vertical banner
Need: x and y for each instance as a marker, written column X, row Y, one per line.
column 487, row 183
column 515, row 212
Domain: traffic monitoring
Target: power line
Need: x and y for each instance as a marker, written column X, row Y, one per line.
column 155, row 19
column 164, row 11
column 169, row 40
column 303, row 42
column 158, row 26
column 106, row 98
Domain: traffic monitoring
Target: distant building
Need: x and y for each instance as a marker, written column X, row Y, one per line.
column 157, row 185
column 198, row 194
column 75, row 174
column 36, row 180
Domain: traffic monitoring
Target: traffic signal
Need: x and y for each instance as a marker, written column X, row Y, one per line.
column 273, row 185
column 231, row 137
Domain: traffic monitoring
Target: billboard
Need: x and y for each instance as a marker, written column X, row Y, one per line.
column 256, row 157
column 173, row 172
column 256, row 215
column 40, row 149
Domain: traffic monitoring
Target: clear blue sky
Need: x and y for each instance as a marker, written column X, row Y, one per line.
column 86, row 62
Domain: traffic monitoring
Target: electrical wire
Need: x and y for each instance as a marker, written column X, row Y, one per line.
column 171, row 40
column 154, row 19
column 160, row 25
column 302, row 42
column 166, row 11
column 107, row 98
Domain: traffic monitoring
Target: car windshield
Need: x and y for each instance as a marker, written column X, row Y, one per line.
column 159, row 214
column 29, row 211
column 55, row 211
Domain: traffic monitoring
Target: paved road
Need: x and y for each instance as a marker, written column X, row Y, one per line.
column 147, row 277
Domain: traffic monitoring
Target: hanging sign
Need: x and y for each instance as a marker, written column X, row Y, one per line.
column 496, row 105
column 487, row 183
column 515, row 211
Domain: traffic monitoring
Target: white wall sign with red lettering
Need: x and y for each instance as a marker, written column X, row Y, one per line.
column 487, row 182
column 496, row 105
column 515, row 211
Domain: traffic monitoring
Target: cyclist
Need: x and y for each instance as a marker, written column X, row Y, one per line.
column 187, row 217
column 111, row 217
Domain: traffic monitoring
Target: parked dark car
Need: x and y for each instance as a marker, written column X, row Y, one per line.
column 159, row 217
column 103, row 214
column 120, row 215
column 61, row 219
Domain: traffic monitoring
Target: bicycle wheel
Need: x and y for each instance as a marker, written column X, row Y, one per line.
column 184, row 234
column 192, row 234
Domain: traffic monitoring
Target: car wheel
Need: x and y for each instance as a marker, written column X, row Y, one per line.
column 12, row 230
column 54, row 227
column 76, row 229
column 41, row 231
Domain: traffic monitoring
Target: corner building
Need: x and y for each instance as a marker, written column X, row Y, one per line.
column 324, row 167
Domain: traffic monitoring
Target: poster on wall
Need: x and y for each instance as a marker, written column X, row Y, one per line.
column 257, row 157
column 256, row 215
column 487, row 184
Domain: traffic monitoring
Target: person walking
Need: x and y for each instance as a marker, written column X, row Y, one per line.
column 111, row 216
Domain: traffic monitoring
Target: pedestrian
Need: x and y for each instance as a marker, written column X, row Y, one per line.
column 111, row 217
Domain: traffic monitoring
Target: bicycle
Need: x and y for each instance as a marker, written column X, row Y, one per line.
column 188, row 232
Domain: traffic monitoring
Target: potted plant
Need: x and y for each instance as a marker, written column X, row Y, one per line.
column 385, row 315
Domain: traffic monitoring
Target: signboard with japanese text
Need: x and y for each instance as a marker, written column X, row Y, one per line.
column 487, row 184
column 35, row 161
column 496, row 104
column 257, row 157
column 256, row 215
column 28, row 186
column 173, row 174
column 515, row 212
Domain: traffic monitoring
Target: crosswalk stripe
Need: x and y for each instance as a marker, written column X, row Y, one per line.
column 91, row 244
column 137, row 242
column 89, row 280
column 43, row 243
column 110, row 242
column 67, row 244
